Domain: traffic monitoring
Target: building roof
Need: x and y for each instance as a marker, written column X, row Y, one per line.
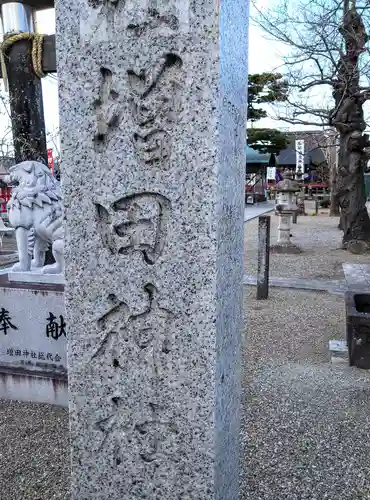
column 254, row 156
column 288, row 156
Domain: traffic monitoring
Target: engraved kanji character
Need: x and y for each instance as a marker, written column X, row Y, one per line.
column 57, row 358
column 154, row 20
column 49, row 356
column 113, row 324
column 103, row 3
column 136, row 223
column 148, row 430
column 149, row 330
column 55, row 329
column 155, row 107
column 33, row 354
column 41, row 355
column 10, row 352
column 107, row 108
column 18, row 352
column 26, row 353
column 5, row 321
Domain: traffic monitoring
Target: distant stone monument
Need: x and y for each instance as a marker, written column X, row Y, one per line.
column 153, row 112
column 286, row 207
column 35, row 212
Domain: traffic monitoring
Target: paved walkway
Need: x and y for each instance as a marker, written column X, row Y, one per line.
column 357, row 275
column 253, row 211
column 357, row 278
column 337, row 287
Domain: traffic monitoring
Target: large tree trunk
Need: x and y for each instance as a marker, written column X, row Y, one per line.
column 354, row 221
column 348, row 119
column 334, row 201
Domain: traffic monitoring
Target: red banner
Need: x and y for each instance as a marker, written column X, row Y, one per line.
column 5, row 194
column 51, row 160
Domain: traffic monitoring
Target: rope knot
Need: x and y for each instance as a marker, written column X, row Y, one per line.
column 36, row 52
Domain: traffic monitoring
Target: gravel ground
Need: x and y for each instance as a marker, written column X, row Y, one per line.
column 34, row 448
column 306, row 423
column 318, row 237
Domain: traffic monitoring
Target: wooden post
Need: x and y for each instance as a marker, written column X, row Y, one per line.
column 25, row 93
column 294, row 217
column 263, row 266
column 316, row 206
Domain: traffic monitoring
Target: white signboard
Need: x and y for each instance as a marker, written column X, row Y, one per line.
column 33, row 333
column 271, row 173
column 299, row 147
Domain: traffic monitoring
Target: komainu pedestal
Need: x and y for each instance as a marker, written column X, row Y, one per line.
column 153, row 116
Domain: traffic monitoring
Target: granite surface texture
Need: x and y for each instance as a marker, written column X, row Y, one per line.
column 153, row 114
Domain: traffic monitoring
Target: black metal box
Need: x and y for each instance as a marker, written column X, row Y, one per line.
column 358, row 328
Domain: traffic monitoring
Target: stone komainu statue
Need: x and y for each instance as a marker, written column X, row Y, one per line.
column 35, row 211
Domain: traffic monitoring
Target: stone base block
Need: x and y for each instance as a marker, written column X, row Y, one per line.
column 36, row 276
column 33, row 343
column 22, row 385
column 338, row 351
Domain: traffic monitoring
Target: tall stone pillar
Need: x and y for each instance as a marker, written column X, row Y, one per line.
column 153, row 115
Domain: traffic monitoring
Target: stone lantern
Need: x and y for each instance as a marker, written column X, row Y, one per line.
column 286, row 206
